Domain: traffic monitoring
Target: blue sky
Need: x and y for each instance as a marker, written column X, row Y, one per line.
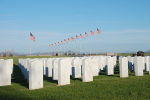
column 124, row 24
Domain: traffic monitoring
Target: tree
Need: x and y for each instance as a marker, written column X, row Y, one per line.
column 11, row 55
column 4, row 55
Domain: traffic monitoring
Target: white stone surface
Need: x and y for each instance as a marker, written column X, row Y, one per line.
column 36, row 75
column 64, row 71
column 138, row 65
column 146, row 63
column 123, row 67
column 76, row 68
column 109, row 67
column 87, row 74
column 49, row 67
column 101, row 64
column 94, row 65
column 55, row 69
column 5, row 72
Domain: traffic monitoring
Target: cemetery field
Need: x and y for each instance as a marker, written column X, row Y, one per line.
column 102, row 87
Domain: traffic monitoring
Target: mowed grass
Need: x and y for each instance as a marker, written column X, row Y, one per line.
column 103, row 87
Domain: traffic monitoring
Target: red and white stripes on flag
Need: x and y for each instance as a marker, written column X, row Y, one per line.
column 69, row 39
column 12, row 50
column 65, row 40
column 32, row 37
column 72, row 38
column 77, row 37
column 52, row 44
column 49, row 46
column 61, row 42
column 86, row 34
column 92, row 33
column 55, row 44
column 81, row 36
column 58, row 43
column 98, row 31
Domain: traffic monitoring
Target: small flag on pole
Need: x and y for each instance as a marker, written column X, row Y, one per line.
column 72, row 38
column 81, row 36
column 69, row 39
column 49, row 46
column 32, row 37
column 92, row 33
column 86, row 34
column 58, row 43
column 61, row 42
column 65, row 40
column 77, row 37
column 98, row 31
column 5, row 50
column 52, row 44
column 55, row 44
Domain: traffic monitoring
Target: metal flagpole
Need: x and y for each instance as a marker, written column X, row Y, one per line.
column 30, row 48
column 67, row 48
column 80, row 46
column 90, row 45
column 84, row 45
column 96, row 42
column 64, row 48
column 71, row 47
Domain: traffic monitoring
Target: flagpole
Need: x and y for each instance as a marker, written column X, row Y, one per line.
column 67, row 48
column 30, row 48
column 71, row 47
column 90, row 45
column 80, row 46
column 84, row 46
column 64, row 48
column 96, row 41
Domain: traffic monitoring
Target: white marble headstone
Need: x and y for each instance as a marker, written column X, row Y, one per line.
column 5, row 72
column 76, row 68
column 138, row 65
column 109, row 67
column 94, row 65
column 36, row 75
column 87, row 74
column 147, row 63
column 64, row 71
column 123, row 67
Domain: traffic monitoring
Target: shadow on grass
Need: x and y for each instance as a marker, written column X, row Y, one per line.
column 79, row 79
column 18, row 77
column 49, row 79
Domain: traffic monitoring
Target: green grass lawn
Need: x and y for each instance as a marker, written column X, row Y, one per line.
column 103, row 87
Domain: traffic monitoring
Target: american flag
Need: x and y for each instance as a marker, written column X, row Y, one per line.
column 98, row 31
column 65, row 40
column 12, row 50
column 49, row 46
column 52, row 44
column 58, row 43
column 61, row 42
column 55, row 44
column 77, row 37
column 69, row 39
column 81, row 36
column 92, row 33
column 86, row 34
column 72, row 38
column 32, row 37
column 5, row 50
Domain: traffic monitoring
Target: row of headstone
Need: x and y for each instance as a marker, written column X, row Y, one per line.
column 61, row 68
column 137, row 64
column 6, row 71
